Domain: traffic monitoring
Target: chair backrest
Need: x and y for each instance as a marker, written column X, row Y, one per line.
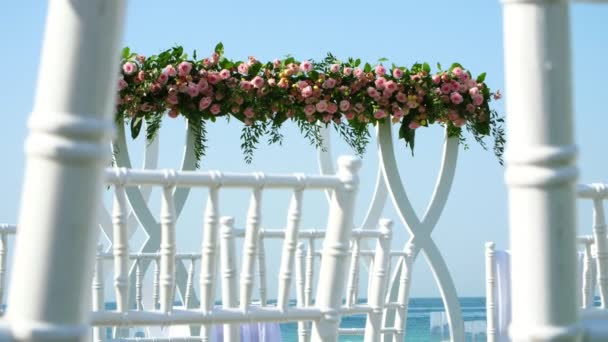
column 324, row 312
column 498, row 285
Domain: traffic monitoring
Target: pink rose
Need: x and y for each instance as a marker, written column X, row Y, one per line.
column 276, row 63
column 283, row 83
column 129, row 68
column 249, row 113
column 473, row 91
column 203, row 85
column 163, row 78
column 239, row 100
column 235, row 109
column 215, row 109
column 307, row 91
column 122, row 84
column 204, row 103
column 224, row 74
column 350, row 115
column 477, row 100
column 170, row 70
column 327, row 117
column 359, row 73
column 141, row 58
column 330, row 83
column 436, row 79
column 192, row 89
column 243, row 68
column 446, row 88
column 213, row 77
column 459, row 122
column 309, row 109
column 184, row 68
column 372, row 92
column 141, row 76
column 172, row 99
column 380, row 82
column 334, row 68
column 457, row 71
column 272, row 82
column 215, row 57
column 413, row 125
column 497, row 95
column 397, row 73
column 470, row 83
column 246, row 85
column 455, row 85
column 321, row 106
column 306, row 66
column 344, row 105
column 390, row 86
column 219, row 96
column 465, row 76
column 332, row 108
column 401, row 97
column 379, row 114
column 347, row 71
column 470, row 108
column 258, row 82
column 359, row 108
column 456, row 98
column 398, row 113
column 380, row 70
column 155, row 87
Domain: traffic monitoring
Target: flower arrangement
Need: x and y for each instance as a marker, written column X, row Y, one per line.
column 346, row 94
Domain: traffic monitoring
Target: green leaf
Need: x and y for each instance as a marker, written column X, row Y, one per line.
column 439, row 66
column 454, row 65
column 255, row 69
column 408, row 135
column 219, row 48
column 136, row 124
column 383, row 59
column 357, row 62
column 426, row 67
column 194, row 55
column 126, row 52
column 367, row 67
column 481, row 77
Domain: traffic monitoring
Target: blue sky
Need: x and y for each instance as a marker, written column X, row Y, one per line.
column 469, row 32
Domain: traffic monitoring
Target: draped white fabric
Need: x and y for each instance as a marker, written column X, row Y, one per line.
column 503, row 290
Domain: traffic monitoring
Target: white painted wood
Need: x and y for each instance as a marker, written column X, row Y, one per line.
column 120, row 245
column 3, row 251
column 167, row 244
column 332, row 272
column 303, row 327
column 97, row 288
column 294, row 215
column 420, row 230
column 377, row 287
column 209, row 254
column 190, row 284
column 156, row 284
column 541, row 170
column 310, row 270
column 138, row 286
column 353, row 274
column 599, row 234
column 491, row 310
column 232, row 332
column 70, row 129
column 250, row 246
column 588, row 279
column 403, row 295
column 262, row 286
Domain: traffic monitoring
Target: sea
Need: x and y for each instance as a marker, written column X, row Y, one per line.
column 426, row 321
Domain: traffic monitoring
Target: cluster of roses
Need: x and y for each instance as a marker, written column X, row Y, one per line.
column 283, row 89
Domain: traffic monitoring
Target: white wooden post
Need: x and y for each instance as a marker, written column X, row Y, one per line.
column 67, row 149
column 377, row 289
column 541, row 170
column 250, row 247
column 491, row 314
column 310, row 271
column 232, row 332
column 155, row 283
column 403, row 295
column 289, row 248
column 190, row 283
column 3, row 249
column 98, row 293
column 303, row 330
column 209, row 256
column 262, row 269
column 120, row 245
column 167, row 244
column 332, row 272
column 353, row 275
column 138, row 286
column 601, row 245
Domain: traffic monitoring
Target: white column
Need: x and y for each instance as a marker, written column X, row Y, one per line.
column 541, row 170
column 67, row 149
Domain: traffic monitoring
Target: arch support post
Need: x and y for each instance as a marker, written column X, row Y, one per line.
column 67, row 149
column 541, row 170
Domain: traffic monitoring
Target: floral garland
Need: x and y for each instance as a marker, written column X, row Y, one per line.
column 263, row 96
